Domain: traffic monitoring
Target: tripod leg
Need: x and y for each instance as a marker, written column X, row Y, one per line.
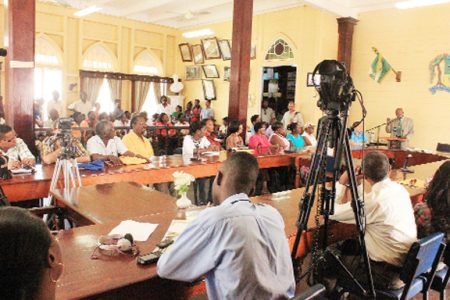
column 359, row 212
column 56, row 175
column 77, row 171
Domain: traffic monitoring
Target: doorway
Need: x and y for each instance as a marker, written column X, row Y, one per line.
column 279, row 87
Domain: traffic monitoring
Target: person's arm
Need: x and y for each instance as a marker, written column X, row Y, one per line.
column 121, row 148
column 307, row 141
column 113, row 159
column 410, row 128
column 26, row 157
column 388, row 125
column 193, row 254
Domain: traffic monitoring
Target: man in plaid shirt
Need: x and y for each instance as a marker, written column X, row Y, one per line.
column 15, row 149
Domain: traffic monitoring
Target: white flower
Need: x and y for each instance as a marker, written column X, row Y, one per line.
column 182, row 180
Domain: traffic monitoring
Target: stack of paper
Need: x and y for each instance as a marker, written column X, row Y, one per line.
column 139, row 231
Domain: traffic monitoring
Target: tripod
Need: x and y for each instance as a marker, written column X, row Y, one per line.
column 333, row 133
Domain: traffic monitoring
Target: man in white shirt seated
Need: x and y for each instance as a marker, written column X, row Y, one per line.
column 240, row 247
column 165, row 106
column 390, row 224
column 83, row 106
column 105, row 145
column 207, row 112
column 15, row 149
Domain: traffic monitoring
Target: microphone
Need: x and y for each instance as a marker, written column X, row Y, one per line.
column 405, row 165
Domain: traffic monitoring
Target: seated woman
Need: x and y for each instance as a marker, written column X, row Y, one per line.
column 195, row 144
column 358, row 138
column 210, row 134
column 234, row 139
column 167, row 137
column 295, row 137
column 30, row 263
column 50, row 149
column 259, row 141
column 433, row 214
column 277, row 138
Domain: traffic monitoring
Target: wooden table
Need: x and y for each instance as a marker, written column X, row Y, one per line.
column 37, row 185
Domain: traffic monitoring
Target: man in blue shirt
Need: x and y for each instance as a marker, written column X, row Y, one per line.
column 241, row 247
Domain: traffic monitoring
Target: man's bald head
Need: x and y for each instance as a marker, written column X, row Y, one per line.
column 237, row 174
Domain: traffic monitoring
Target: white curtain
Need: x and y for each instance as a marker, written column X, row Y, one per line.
column 116, row 88
column 91, row 86
column 141, row 89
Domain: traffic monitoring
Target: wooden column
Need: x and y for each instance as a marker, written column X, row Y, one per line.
column 19, row 92
column 345, row 29
column 240, row 60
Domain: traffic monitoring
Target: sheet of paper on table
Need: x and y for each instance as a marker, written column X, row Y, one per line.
column 140, row 231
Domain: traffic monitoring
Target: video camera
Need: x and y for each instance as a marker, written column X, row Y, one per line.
column 65, row 138
column 336, row 88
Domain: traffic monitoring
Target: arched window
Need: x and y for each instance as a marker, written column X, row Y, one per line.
column 99, row 58
column 279, row 50
column 146, row 63
column 48, row 76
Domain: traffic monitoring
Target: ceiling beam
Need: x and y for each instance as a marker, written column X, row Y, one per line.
column 333, row 7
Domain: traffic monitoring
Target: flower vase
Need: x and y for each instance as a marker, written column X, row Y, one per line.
column 184, row 201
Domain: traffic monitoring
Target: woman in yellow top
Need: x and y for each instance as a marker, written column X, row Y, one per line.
column 135, row 140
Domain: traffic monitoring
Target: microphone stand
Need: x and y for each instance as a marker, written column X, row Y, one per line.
column 377, row 127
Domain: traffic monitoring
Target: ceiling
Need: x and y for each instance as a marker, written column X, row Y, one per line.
column 189, row 13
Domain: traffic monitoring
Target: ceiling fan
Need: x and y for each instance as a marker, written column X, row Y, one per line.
column 188, row 15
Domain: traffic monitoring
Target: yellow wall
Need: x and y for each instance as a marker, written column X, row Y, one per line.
column 311, row 33
column 409, row 40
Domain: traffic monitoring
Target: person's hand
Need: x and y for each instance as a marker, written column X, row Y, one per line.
column 115, row 160
column 15, row 164
column 28, row 162
column 388, row 120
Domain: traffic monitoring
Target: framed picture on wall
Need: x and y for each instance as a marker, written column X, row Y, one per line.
column 197, row 53
column 185, row 52
column 210, row 71
column 225, row 49
column 226, row 73
column 208, row 89
column 310, row 81
column 193, row 73
column 211, row 48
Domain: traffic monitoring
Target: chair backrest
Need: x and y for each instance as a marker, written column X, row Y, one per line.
column 443, row 147
column 421, row 256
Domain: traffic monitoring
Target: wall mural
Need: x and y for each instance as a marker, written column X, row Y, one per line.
column 440, row 78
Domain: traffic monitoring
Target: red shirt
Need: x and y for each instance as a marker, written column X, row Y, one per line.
column 260, row 143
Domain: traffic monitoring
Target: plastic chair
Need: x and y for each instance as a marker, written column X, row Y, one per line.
column 443, row 147
column 417, row 272
column 315, row 292
column 419, row 268
column 441, row 277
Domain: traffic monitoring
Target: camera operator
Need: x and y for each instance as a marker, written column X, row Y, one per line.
column 390, row 225
column 15, row 149
column 51, row 149
column 105, row 145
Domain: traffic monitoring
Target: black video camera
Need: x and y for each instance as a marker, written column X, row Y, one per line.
column 336, row 86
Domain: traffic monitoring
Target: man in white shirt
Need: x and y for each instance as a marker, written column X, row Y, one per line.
column 165, row 107
column 105, row 145
column 292, row 116
column 401, row 127
column 55, row 104
column 83, row 106
column 15, row 149
column 267, row 114
column 207, row 112
column 390, row 224
column 240, row 247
